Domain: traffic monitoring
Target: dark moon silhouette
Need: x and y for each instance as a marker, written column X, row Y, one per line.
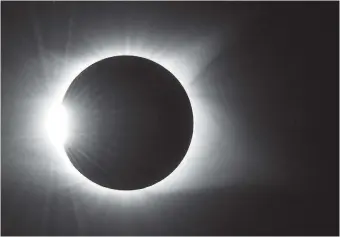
column 131, row 122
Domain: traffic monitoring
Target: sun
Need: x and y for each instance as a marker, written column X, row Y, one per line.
column 58, row 126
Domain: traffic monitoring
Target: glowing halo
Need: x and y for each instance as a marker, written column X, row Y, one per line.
column 182, row 172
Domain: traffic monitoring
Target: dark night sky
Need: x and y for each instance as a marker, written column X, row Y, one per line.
column 265, row 76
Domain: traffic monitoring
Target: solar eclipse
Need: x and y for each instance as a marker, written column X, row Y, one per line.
column 259, row 80
column 132, row 123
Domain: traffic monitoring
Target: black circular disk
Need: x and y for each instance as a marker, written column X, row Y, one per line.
column 131, row 122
